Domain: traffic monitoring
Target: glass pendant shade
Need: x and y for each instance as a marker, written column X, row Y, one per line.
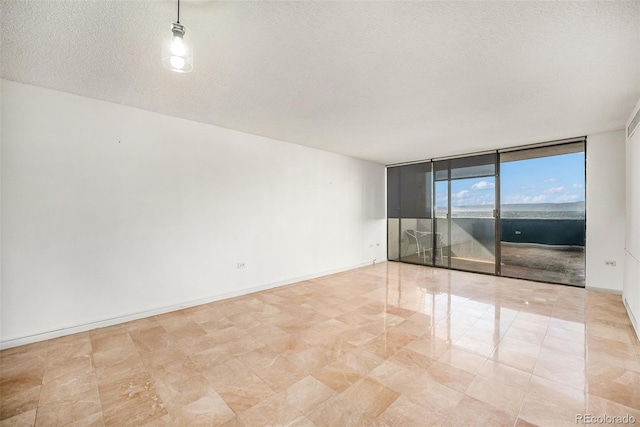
column 176, row 54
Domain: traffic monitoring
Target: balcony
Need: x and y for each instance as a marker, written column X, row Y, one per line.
column 548, row 250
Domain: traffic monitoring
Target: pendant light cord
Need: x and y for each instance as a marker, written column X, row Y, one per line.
column 178, row 11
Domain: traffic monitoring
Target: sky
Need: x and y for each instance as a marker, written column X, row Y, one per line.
column 555, row 179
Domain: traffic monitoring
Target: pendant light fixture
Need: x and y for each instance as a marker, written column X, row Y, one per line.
column 176, row 54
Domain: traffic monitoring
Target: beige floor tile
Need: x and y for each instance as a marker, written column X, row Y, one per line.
column 522, row 423
column 110, row 339
column 411, row 359
column 175, row 370
column 25, row 419
column 616, row 384
column 279, row 374
column 450, row 376
column 545, row 413
column 393, row 375
column 431, row 394
column 338, row 376
column 548, row 392
column 60, row 351
column 517, row 354
column 245, row 393
column 18, row 381
column 226, row 373
column 86, row 410
column 403, row 412
column 68, row 387
column 20, row 402
column 562, row 368
column 564, row 346
column 191, row 402
column 307, row 394
column 429, row 346
column 120, row 371
column 370, row 396
column 472, row 412
column 474, row 346
column 461, row 359
column 133, row 403
column 505, row 374
column 339, row 411
column 287, row 344
column 499, row 395
column 598, row 406
column 208, row 359
column 116, row 354
column 384, row 345
column 387, row 344
column 273, row 411
column 361, row 361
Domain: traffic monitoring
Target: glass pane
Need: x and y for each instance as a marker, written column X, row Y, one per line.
column 442, row 224
column 441, row 170
column 416, row 241
column 415, row 191
column 393, row 192
column 393, row 239
column 472, row 226
column 543, row 217
column 409, row 190
column 476, row 166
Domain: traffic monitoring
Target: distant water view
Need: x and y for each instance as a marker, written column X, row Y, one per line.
column 570, row 210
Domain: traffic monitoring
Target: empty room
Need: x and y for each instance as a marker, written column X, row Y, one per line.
column 319, row 213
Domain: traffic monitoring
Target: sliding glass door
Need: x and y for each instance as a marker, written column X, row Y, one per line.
column 543, row 213
column 465, row 234
column 441, row 221
column 517, row 213
column 409, row 213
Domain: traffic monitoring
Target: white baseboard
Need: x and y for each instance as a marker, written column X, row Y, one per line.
column 604, row 290
column 632, row 318
column 15, row 342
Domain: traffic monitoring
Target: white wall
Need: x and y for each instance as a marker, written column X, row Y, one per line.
column 605, row 210
column 1, row 108
column 110, row 212
column 631, row 292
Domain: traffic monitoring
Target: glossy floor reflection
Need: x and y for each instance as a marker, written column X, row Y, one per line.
column 387, row 345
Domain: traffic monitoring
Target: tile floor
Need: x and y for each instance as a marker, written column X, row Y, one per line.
column 386, row 345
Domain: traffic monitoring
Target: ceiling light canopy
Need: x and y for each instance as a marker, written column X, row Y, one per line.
column 176, row 54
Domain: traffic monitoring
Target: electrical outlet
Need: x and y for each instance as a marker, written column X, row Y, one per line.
column 371, row 245
column 610, row 263
column 241, row 265
column 377, row 244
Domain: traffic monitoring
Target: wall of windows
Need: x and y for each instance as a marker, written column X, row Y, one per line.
column 516, row 213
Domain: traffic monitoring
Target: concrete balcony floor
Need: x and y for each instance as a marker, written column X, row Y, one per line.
column 554, row 264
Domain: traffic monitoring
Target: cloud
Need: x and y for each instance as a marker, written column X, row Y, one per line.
column 482, row 185
column 536, row 199
column 551, row 180
column 567, row 198
column 468, row 198
column 554, row 190
column 577, row 185
column 528, row 199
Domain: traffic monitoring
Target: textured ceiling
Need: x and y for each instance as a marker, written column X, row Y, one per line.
column 383, row 81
